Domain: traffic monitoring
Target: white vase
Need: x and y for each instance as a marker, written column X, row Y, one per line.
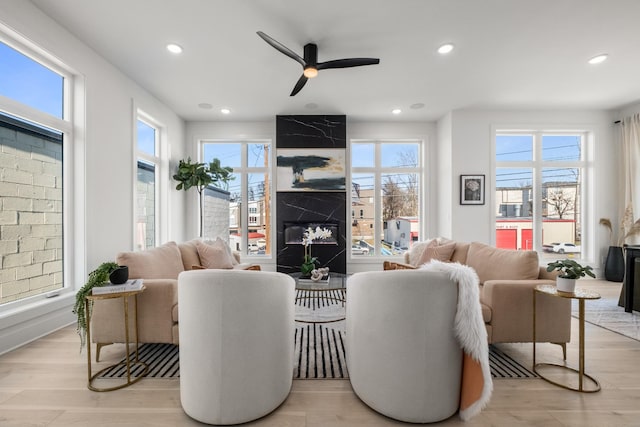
column 566, row 285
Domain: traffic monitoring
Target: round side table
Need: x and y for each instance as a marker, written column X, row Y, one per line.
column 581, row 295
column 127, row 360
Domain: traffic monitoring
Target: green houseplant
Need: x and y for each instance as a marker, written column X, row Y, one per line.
column 96, row 278
column 200, row 175
column 570, row 271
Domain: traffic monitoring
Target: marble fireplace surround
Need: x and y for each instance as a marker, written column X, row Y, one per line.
column 311, row 207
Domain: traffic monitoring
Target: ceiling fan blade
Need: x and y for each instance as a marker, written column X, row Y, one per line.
column 282, row 48
column 346, row 63
column 299, row 85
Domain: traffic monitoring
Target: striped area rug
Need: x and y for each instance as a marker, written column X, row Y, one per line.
column 320, row 351
column 319, row 348
column 504, row 366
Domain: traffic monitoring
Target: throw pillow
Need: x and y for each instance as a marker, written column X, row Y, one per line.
column 438, row 252
column 162, row 262
column 502, row 264
column 234, row 259
column 214, row 255
column 418, row 250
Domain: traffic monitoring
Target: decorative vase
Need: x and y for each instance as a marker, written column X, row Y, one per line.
column 565, row 285
column 614, row 265
column 120, row 275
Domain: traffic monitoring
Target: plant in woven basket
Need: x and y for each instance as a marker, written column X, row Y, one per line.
column 97, row 277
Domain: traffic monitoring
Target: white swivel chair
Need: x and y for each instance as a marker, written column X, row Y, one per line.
column 236, row 343
column 403, row 357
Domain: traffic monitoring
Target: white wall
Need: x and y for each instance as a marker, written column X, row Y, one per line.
column 104, row 146
column 444, row 178
column 472, row 154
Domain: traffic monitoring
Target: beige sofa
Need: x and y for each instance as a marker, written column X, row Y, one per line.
column 507, row 278
column 158, row 305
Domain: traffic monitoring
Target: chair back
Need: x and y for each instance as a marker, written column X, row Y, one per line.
column 403, row 358
column 236, row 343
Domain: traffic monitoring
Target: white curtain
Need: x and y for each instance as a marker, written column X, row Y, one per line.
column 631, row 167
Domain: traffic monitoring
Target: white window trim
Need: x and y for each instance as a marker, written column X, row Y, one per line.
column 585, row 164
column 244, row 170
column 72, row 127
column 377, row 170
column 160, row 161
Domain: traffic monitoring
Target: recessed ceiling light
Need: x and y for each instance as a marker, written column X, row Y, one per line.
column 598, row 59
column 205, row 106
column 174, row 48
column 225, row 111
column 417, row 106
column 445, row 48
column 396, row 111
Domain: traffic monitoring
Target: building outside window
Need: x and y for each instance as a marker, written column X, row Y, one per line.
column 385, row 178
column 540, row 187
column 35, row 131
column 242, row 212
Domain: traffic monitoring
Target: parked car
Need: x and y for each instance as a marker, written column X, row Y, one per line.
column 561, row 248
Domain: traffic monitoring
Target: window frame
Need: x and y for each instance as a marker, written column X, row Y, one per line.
column 244, row 170
column 72, row 167
column 378, row 172
column 158, row 160
column 538, row 165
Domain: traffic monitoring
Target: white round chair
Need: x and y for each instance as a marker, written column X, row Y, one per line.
column 403, row 358
column 236, row 343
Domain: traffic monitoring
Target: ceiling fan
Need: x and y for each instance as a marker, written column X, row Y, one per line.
column 310, row 63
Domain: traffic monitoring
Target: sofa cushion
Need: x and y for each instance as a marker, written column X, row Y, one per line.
column 189, row 254
column 214, row 255
column 418, row 253
column 502, row 264
column 460, row 253
column 162, row 262
column 438, row 252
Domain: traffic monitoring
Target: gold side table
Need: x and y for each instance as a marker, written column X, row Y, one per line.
column 581, row 295
column 127, row 362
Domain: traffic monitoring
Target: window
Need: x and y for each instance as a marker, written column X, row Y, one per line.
column 147, row 143
column 385, row 183
column 241, row 208
column 34, row 131
column 539, row 192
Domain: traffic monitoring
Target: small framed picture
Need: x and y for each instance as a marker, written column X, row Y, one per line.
column 472, row 189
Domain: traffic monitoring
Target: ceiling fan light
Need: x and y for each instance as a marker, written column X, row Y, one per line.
column 310, row 72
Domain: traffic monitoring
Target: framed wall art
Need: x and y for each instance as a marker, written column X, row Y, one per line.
column 472, row 189
column 315, row 169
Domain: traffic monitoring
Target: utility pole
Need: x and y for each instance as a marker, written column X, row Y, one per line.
column 267, row 202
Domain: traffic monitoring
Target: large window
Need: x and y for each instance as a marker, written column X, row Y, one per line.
column 34, row 130
column 539, row 192
column 385, row 196
column 242, row 208
column 147, row 136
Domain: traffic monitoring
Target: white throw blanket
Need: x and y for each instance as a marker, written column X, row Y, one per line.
column 471, row 333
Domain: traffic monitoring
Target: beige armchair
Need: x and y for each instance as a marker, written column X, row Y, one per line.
column 159, row 268
column 507, row 278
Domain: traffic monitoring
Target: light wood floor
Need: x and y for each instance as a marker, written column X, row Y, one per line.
column 44, row 384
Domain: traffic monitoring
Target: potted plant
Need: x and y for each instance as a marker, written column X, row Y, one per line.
column 614, row 264
column 97, row 277
column 200, row 175
column 570, row 271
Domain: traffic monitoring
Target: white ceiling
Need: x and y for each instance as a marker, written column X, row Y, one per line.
column 510, row 54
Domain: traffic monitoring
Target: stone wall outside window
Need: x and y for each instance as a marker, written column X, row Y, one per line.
column 30, row 213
